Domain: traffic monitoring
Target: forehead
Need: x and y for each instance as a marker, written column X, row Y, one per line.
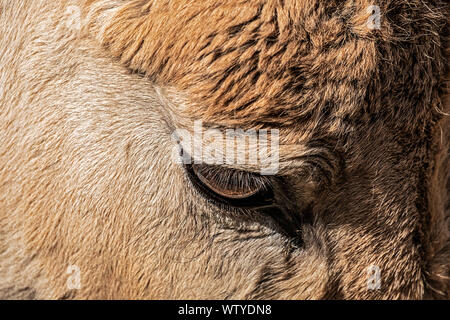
column 252, row 63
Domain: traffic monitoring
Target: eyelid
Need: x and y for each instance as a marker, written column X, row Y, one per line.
column 234, row 194
column 259, row 195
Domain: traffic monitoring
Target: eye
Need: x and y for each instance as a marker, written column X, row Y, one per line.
column 246, row 190
column 231, row 187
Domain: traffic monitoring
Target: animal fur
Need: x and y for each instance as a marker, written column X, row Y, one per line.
column 86, row 117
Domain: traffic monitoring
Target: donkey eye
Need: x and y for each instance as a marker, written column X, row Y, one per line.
column 232, row 187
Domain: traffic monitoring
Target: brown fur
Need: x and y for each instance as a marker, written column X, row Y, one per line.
column 86, row 177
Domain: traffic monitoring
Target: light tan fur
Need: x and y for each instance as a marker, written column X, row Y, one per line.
column 87, row 179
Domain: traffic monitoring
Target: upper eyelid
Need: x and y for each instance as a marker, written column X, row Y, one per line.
column 223, row 167
column 232, row 203
column 229, row 173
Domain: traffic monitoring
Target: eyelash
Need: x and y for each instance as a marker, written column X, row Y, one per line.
column 262, row 197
